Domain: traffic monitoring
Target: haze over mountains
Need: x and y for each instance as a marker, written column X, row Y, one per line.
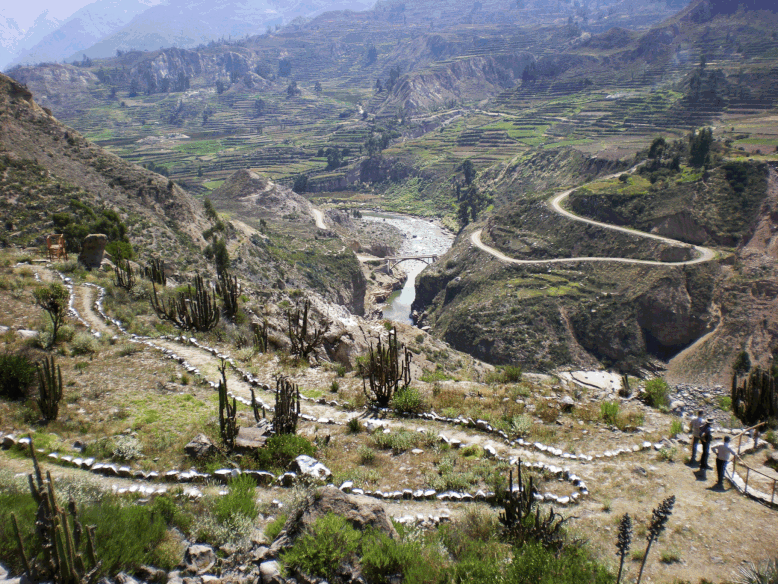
column 105, row 26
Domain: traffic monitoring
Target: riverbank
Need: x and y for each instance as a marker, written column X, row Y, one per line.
column 420, row 237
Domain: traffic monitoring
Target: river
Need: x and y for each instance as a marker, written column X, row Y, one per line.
column 420, row 237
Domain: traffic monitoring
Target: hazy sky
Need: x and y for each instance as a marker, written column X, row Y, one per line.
column 25, row 13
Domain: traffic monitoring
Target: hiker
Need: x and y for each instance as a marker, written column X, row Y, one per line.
column 696, row 425
column 723, row 453
column 705, row 439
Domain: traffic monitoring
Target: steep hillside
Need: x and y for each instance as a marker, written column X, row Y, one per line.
column 46, row 165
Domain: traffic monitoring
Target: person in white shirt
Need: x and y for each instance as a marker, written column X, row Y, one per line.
column 723, row 453
column 696, row 425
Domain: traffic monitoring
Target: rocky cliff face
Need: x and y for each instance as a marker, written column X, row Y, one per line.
column 472, row 78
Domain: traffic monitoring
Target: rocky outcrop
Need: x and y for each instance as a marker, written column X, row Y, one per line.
column 259, row 196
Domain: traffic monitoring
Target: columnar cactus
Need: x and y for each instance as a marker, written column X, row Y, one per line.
column 387, row 368
column 228, row 424
column 61, row 537
column 191, row 310
column 49, row 389
column 287, row 407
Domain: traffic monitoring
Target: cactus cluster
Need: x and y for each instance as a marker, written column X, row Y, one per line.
column 228, row 288
column 304, row 334
column 155, row 271
column 518, row 523
column 228, row 423
column 387, row 368
column 62, row 537
column 754, row 397
column 125, row 277
column 49, row 389
column 191, row 310
column 287, row 407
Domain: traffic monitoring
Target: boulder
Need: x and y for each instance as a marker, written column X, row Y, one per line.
column 92, row 250
column 124, row 578
column 566, row 403
column 199, row 558
column 200, row 447
column 250, row 438
column 308, row 466
column 270, row 573
column 362, row 512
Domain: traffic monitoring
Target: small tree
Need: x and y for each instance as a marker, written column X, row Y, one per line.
column 317, row 88
column 54, row 300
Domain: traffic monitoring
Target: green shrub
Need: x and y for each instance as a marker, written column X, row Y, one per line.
column 340, row 370
column 21, row 504
column 610, row 412
column 84, row 344
column 764, row 573
column 17, row 374
column 279, row 451
column 329, row 543
column 533, row 564
column 334, row 386
column 505, row 374
column 398, row 441
column 676, row 427
column 366, row 454
column 408, row 400
column 126, row 537
column 384, row 557
column 354, row 425
column 274, row 527
column 240, row 499
column 725, row 403
column 521, row 425
column 657, row 393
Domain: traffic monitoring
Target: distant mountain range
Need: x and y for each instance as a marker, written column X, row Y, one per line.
column 104, row 27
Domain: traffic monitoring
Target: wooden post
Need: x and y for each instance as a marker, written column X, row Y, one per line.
column 772, row 497
column 739, row 442
column 748, row 472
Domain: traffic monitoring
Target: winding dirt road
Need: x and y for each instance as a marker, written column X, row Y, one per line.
column 704, row 254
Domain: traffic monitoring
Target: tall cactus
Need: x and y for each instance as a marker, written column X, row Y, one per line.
column 228, row 288
column 754, row 397
column 228, row 424
column 287, row 407
column 155, row 271
column 387, row 368
column 260, row 336
column 49, row 388
column 191, row 310
column 518, row 523
column 304, row 334
column 61, row 537
column 125, row 277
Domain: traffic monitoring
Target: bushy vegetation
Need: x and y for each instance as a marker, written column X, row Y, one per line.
column 408, row 400
column 279, row 451
column 80, row 219
column 657, row 393
column 17, row 374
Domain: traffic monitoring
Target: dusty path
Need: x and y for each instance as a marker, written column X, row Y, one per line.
column 704, row 254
